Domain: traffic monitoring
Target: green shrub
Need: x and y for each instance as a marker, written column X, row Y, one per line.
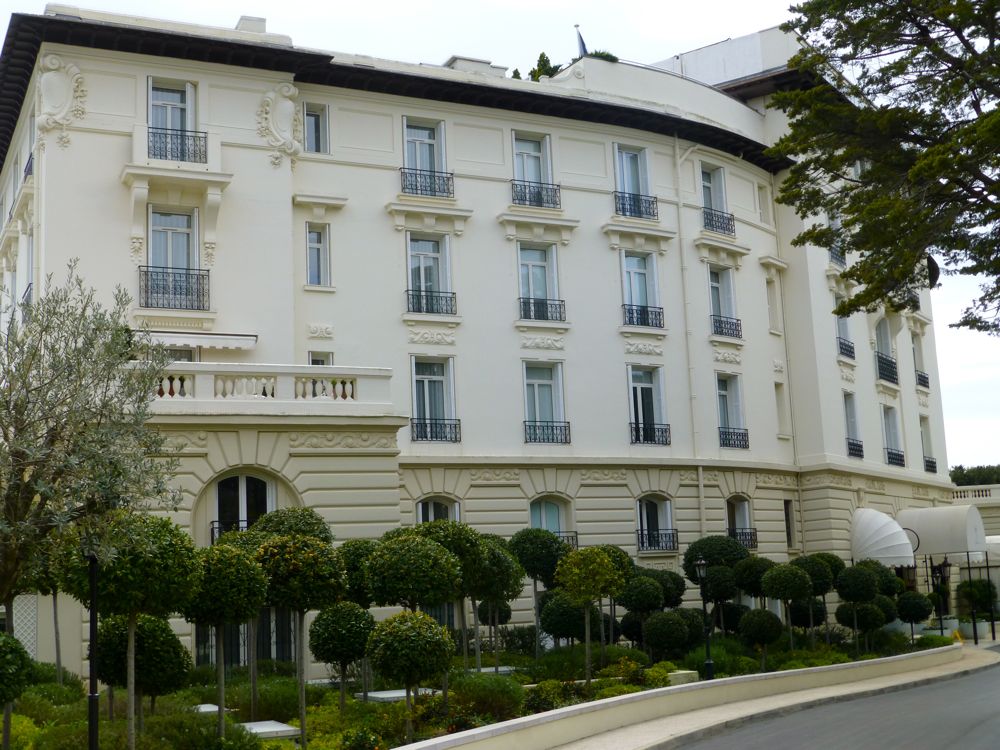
column 614, row 691
column 204, row 675
column 658, row 675
column 44, row 672
column 933, row 641
column 695, row 620
column 744, row 665
column 547, row 695
column 624, row 669
column 58, row 695
column 189, row 731
column 43, row 712
column 566, row 663
column 793, row 664
column 517, row 639
column 23, row 732
column 361, row 739
column 665, row 633
column 488, row 695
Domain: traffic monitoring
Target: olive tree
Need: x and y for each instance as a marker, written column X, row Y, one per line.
column 913, row 607
column 339, row 635
column 748, row 573
column 822, row 581
column 539, row 552
column 410, row 647
column 233, row 589
column 787, row 583
column 760, row 628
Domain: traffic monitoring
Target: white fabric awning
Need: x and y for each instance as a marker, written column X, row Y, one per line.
column 877, row 536
column 945, row 530
column 205, row 340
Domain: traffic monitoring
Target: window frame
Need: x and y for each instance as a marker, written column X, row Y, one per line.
column 453, row 507
column 322, row 112
column 440, row 154
column 734, row 401
column 642, row 162
column 558, row 406
column 716, row 185
column 325, row 274
column 448, row 385
column 561, row 513
column 444, row 260
column 320, row 359
column 651, row 277
column 891, row 435
column 664, row 513
column 551, row 269
column 190, row 100
column 194, row 233
column 926, row 445
column 883, row 326
column 545, row 155
column 270, row 498
column 727, row 291
column 656, row 389
column 852, row 430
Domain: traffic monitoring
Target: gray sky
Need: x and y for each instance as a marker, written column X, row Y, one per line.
column 513, row 32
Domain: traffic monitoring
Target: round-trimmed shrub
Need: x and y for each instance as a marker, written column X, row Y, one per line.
column 731, row 614
column 539, row 552
column 787, row 583
column 835, row 563
column 354, row 553
column 979, row 594
column 162, row 663
column 888, row 607
column 665, row 634
column 720, row 583
column 411, row 570
column 716, row 550
column 339, row 635
column 760, row 628
column 631, row 626
column 641, row 594
column 884, row 576
column 798, row 611
column 913, row 607
column 563, row 618
column 486, row 610
column 819, row 573
column 15, row 668
column 495, row 696
column 748, row 573
column 870, row 617
column 294, row 522
column 673, row 584
column 695, row 621
column 856, row 584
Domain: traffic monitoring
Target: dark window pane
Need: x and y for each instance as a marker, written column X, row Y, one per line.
column 256, row 499
column 229, row 502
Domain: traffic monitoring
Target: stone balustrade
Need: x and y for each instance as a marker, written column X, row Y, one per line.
column 980, row 492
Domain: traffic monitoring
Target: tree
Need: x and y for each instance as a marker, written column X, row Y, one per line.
column 887, row 606
column 822, row 581
column 410, row 647
column 586, row 575
column 354, row 553
column 42, row 575
column 760, row 628
column 672, row 583
column 561, row 617
column 539, row 552
column 665, row 634
column 720, row 586
column 855, row 586
column 715, row 550
column 498, row 580
column 887, row 580
column 913, row 607
column 748, row 573
column 862, row 616
column 979, row 594
column 963, row 477
column 303, row 573
column 233, row 589
column 914, row 103
column 543, row 67
column 339, row 635
column 411, row 571
column 642, row 595
column 787, row 583
column 76, row 384
column 626, row 566
column 835, row 563
column 294, row 522
column 15, row 671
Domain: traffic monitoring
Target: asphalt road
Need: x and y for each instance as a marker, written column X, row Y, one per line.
column 959, row 714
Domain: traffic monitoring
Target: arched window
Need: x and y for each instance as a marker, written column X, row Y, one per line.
column 240, row 501
column 547, row 514
column 738, row 521
column 437, row 509
column 655, row 524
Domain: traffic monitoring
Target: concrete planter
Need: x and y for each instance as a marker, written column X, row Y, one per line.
column 983, row 628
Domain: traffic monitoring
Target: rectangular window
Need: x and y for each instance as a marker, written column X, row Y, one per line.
column 431, row 389
column 315, row 125
column 891, row 436
column 542, row 392
column 171, row 105
column 631, row 172
column 317, row 255
column 647, row 421
column 730, row 402
column 851, row 417
column 781, row 408
column 182, row 355
column 773, row 303
column 172, row 241
column 530, row 158
column 712, row 188
column 537, row 272
column 320, row 359
column 637, row 280
column 426, row 261
column 789, row 524
column 843, row 323
column 764, row 204
column 424, row 145
column 925, row 437
column 720, row 284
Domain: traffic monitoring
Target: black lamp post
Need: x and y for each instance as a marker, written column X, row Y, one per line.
column 936, row 583
column 701, row 568
column 93, row 699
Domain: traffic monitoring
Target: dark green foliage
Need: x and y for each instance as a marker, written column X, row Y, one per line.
column 730, row 615
column 631, row 625
column 547, row 695
column 410, row 647
column 620, row 559
column 665, row 634
column 45, row 672
column 787, row 583
column 232, row 588
column 819, row 573
column 499, row 577
column 567, row 663
column 411, row 570
column 856, row 585
column 539, row 552
column 979, row 594
column 748, row 573
column 673, row 584
column 562, row 617
column 15, row 668
column 162, row 663
column 870, row 617
column 294, row 522
column 518, row 639
column 516, row 74
column 695, row 621
column 887, row 606
column 760, row 627
column 720, row 583
column 835, row 563
column 929, row 640
column 466, row 544
column 798, row 611
column 499, row 698
column 302, row 572
column 54, row 693
column 503, row 611
column 716, row 550
column 353, row 553
column 642, row 595
column 543, row 67
column 963, row 477
column 885, row 577
column 601, row 54
column 913, row 607
column 340, row 633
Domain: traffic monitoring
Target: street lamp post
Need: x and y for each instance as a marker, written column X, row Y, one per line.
column 93, row 699
column 936, row 583
column 701, row 568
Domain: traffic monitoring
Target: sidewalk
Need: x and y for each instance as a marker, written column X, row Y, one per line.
column 677, row 731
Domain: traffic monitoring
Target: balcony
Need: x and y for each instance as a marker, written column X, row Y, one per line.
column 436, row 430
column 200, row 388
column 719, row 221
column 542, row 309
column 923, row 379
column 29, row 168
column 930, row 465
column 747, row 537
column 885, row 366
column 639, row 206
column 537, row 194
column 895, row 457
column 427, row 182
column 656, row 541
column 855, row 448
column 218, row 528
column 647, row 433
column 546, row 432
column 837, row 256
column 730, row 327
column 845, row 348
column 173, row 289
column 432, row 303
column 568, row 537
column 641, row 315
column 177, row 145
column 734, row 437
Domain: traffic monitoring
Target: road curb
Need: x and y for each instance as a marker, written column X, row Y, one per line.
column 682, row 740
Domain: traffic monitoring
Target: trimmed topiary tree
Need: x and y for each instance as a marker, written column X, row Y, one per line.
column 673, row 584
column 822, row 581
column 411, row 570
column 642, row 595
column 888, row 607
column 539, row 552
column 233, row 589
column 631, row 627
column 855, row 585
column 787, row 583
column 913, row 607
column 339, row 635
column 759, row 628
column 695, row 620
column 835, row 563
column 886, row 578
column 15, row 668
column 410, row 647
column 561, row 616
column 716, row 550
column 354, row 553
column 498, row 578
column 294, row 522
column 807, row 611
column 865, row 616
column 720, row 587
column 749, row 572
column 665, row 635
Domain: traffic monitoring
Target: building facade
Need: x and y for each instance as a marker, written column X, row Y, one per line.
column 400, row 292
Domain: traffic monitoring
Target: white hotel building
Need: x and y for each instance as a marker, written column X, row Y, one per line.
column 400, row 292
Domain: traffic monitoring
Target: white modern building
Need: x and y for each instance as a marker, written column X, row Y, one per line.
column 403, row 292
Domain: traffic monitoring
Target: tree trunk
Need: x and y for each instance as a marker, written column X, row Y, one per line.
column 464, row 624
column 826, row 621
column 475, row 625
column 600, row 635
column 343, row 686
column 855, row 629
column 409, row 717
column 140, row 719
column 586, row 645
column 912, row 636
column 791, row 633
column 812, row 631
column 55, row 628
column 252, row 659
column 538, row 618
column 300, row 662
column 722, row 616
column 444, row 692
column 496, row 638
column 111, row 702
column 130, row 681
column 220, row 679
column 8, row 710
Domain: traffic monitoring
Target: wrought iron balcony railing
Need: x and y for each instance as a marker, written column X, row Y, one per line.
column 538, row 194
column 718, row 221
column 734, row 437
column 542, row 309
column 855, row 448
column 642, row 315
column 723, row 326
column 837, row 256
column 923, row 379
column 432, row 303
column 664, row 540
column 569, row 537
column 845, row 348
column 747, row 537
column 178, row 145
column 218, row 528
column 29, row 167
column 895, row 457
column 436, row 430
column 649, row 433
column 886, row 367
column 640, row 206
column 173, row 289
column 427, row 182
column 930, row 465
column 546, row 432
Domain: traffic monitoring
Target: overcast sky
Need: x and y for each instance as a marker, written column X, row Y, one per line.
column 513, row 32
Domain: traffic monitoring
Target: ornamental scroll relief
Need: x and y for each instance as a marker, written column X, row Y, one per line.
column 485, row 476
column 603, row 475
column 426, row 336
column 641, row 347
column 342, row 440
column 63, row 99
column 542, row 342
column 320, row 331
column 279, row 122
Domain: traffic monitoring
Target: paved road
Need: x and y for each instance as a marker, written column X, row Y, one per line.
column 959, row 714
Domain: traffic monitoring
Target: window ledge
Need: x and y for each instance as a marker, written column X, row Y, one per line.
column 784, row 436
column 775, row 332
column 319, row 288
column 885, row 388
column 412, row 319
column 923, row 390
column 657, row 553
column 560, row 326
column 846, row 361
column 428, row 215
column 642, row 332
column 726, row 341
column 541, row 225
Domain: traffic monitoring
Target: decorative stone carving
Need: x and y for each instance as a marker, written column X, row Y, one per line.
column 922, row 400
column 828, row 480
column 495, row 475
column 709, row 477
column 875, row 485
column 602, row 475
column 542, row 342
column 779, row 366
column 727, row 356
column 180, row 441
column 777, row 480
column 208, row 254
column 138, row 251
column 63, row 98
column 641, row 347
column 920, row 491
column 425, row 336
column 279, row 122
column 847, row 374
column 320, row 331
column 342, row 440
